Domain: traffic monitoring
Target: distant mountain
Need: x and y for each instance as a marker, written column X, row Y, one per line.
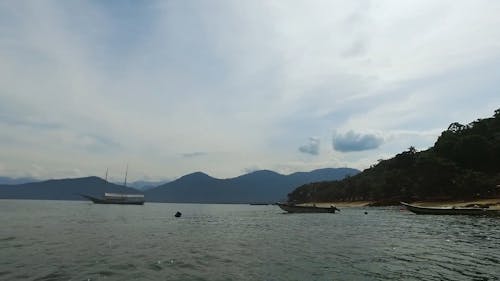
column 7, row 180
column 62, row 189
column 145, row 185
column 259, row 186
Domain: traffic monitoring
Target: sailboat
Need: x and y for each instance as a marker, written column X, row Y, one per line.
column 118, row 198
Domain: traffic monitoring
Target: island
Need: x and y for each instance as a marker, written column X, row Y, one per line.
column 461, row 168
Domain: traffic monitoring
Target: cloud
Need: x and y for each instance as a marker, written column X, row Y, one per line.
column 312, row 147
column 352, row 141
column 86, row 82
column 357, row 48
column 96, row 144
column 193, row 154
column 9, row 115
column 251, row 169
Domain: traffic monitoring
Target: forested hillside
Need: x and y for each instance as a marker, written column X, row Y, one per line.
column 464, row 163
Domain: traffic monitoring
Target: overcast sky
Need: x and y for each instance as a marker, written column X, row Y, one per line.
column 228, row 87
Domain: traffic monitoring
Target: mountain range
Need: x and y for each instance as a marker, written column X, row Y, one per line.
column 62, row 189
column 256, row 187
column 145, row 185
column 139, row 185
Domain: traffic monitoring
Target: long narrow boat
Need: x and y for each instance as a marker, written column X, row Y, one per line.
column 450, row 210
column 117, row 198
column 291, row 208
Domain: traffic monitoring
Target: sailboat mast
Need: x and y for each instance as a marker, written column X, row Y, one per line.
column 126, row 172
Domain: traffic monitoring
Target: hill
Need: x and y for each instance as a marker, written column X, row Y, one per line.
column 145, row 185
column 8, row 180
column 463, row 164
column 259, row 186
column 62, row 189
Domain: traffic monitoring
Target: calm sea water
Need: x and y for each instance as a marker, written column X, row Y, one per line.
column 60, row 240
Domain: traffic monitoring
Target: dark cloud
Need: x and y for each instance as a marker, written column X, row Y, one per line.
column 312, row 147
column 193, row 154
column 352, row 141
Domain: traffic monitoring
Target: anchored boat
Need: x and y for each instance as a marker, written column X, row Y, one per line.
column 292, row 208
column 118, row 198
column 450, row 210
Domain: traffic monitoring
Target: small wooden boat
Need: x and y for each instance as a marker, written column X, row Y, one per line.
column 291, row 208
column 450, row 210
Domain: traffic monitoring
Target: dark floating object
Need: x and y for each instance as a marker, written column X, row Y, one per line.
column 178, row 215
column 366, row 213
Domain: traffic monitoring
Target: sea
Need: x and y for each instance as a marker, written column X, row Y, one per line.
column 78, row 240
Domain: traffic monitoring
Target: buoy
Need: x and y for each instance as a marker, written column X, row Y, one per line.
column 366, row 213
column 178, row 214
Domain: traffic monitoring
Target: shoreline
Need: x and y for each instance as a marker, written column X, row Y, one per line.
column 494, row 203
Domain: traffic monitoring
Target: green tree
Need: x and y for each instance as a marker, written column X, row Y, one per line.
column 445, row 144
column 473, row 152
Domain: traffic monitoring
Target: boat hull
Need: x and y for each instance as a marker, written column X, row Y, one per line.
column 113, row 201
column 450, row 210
column 305, row 209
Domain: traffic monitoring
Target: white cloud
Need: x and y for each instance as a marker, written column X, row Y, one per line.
column 312, row 147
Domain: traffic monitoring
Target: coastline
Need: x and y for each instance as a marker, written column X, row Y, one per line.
column 493, row 203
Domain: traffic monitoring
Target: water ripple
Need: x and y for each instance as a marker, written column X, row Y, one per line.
column 239, row 242
column 54, row 276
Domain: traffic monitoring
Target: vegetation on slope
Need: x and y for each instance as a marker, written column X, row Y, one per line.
column 464, row 163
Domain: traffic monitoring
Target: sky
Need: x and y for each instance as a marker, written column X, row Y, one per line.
column 229, row 87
